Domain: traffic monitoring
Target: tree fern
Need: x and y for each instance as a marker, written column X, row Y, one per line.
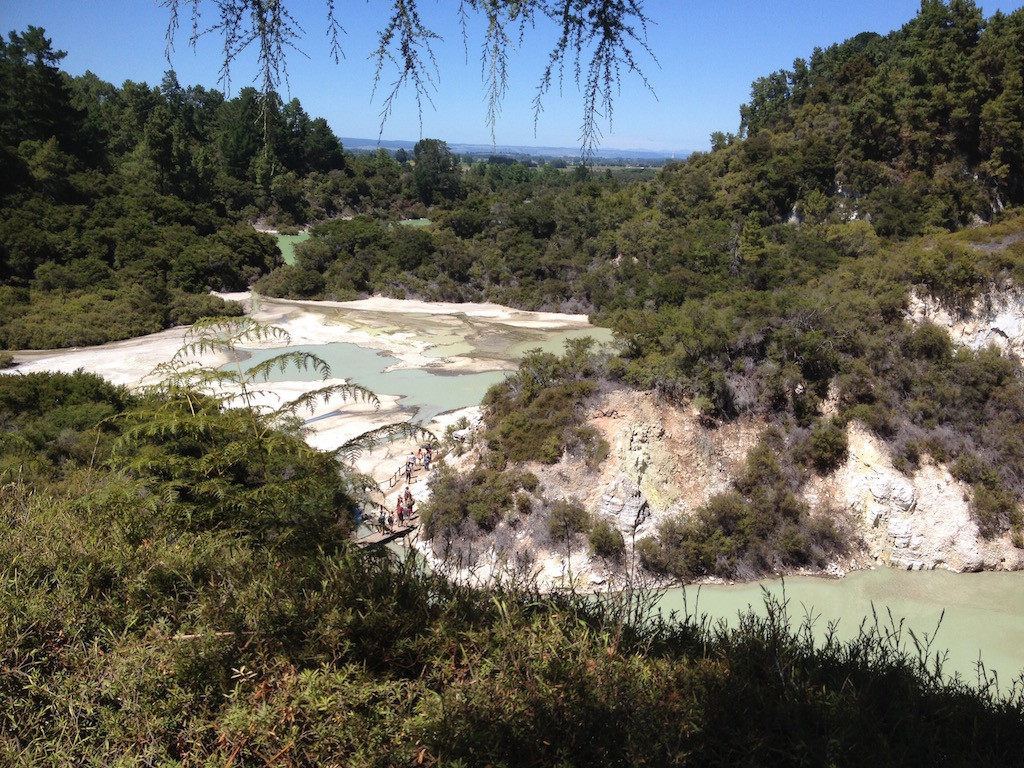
column 217, row 454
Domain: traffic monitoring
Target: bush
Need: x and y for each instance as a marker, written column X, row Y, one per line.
column 595, row 449
column 187, row 308
column 828, row 444
column 529, row 481
column 567, row 517
column 606, row 541
column 995, row 509
column 653, row 556
column 930, row 342
column 524, row 503
column 483, row 495
column 537, row 414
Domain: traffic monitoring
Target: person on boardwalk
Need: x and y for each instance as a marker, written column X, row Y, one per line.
column 401, row 513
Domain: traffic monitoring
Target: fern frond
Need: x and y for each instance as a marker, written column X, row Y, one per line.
column 345, row 392
column 301, row 361
column 352, row 449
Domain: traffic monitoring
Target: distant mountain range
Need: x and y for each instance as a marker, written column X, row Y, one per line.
column 353, row 144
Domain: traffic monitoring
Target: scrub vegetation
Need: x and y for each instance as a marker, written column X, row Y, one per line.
column 134, row 635
column 177, row 584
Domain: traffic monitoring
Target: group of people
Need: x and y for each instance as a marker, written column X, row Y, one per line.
column 421, row 458
column 403, row 512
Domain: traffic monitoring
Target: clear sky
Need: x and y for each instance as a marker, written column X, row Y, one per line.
column 708, row 53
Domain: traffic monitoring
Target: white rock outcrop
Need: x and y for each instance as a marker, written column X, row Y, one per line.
column 996, row 317
column 920, row 521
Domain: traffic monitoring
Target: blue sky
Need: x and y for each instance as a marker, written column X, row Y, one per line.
column 708, row 53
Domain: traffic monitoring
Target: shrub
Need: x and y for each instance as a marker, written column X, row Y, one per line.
column 606, row 541
column 536, row 413
column 931, row 342
column 567, row 517
column 524, row 503
column 483, row 495
column 995, row 509
column 950, row 272
column 828, row 444
column 595, row 449
column 187, row 308
column 877, row 417
column 795, row 547
column 529, row 481
column 653, row 556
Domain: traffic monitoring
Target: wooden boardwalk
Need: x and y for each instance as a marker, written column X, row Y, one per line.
column 383, row 537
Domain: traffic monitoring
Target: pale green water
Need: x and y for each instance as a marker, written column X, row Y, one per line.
column 434, row 390
column 556, row 343
column 429, row 392
column 984, row 612
column 287, row 245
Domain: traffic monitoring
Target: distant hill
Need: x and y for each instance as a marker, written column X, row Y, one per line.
column 353, row 144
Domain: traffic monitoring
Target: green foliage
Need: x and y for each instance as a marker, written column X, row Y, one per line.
column 607, row 541
column 995, row 509
column 536, row 414
column 196, row 647
column 931, row 342
column 828, row 444
column 915, row 131
column 435, row 171
column 133, row 635
column 55, row 424
column 524, row 503
column 949, row 272
column 567, row 518
column 118, row 212
column 759, row 525
column 482, row 496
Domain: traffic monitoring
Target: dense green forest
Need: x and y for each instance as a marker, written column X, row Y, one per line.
column 176, row 584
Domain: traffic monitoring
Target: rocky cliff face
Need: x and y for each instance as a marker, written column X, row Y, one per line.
column 664, row 462
column 996, row 317
column 920, row 521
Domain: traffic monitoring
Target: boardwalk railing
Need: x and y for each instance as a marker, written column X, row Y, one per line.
column 396, row 479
